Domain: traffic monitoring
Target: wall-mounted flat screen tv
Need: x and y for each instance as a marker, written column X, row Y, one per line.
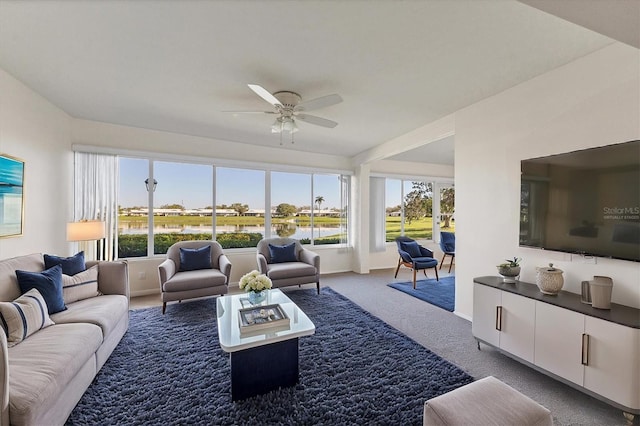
column 585, row 202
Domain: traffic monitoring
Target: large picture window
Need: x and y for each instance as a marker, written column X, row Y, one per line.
column 230, row 205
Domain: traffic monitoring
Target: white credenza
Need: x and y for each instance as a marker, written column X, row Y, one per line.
column 594, row 350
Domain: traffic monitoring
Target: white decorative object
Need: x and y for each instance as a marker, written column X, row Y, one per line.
column 600, row 289
column 549, row 279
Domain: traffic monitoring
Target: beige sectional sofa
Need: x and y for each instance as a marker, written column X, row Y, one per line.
column 43, row 377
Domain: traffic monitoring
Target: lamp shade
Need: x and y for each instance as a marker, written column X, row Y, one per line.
column 86, row 230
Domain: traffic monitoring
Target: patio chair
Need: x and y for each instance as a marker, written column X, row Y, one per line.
column 448, row 247
column 416, row 257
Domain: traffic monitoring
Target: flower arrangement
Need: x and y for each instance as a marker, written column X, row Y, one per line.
column 255, row 281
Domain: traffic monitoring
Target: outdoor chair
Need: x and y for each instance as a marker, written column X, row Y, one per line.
column 448, row 247
column 193, row 269
column 416, row 257
column 286, row 262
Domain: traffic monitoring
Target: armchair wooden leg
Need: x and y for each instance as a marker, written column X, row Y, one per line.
column 398, row 268
column 436, row 269
column 442, row 261
column 453, row 258
column 414, row 278
column 164, row 307
column 318, row 286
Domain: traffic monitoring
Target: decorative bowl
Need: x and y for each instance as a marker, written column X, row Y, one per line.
column 509, row 273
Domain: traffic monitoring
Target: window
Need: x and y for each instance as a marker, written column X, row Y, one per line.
column 133, row 215
column 291, row 206
column 182, row 204
column 417, row 205
column 408, row 209
column 235, row 211
column 329, row 218
column 240, row 207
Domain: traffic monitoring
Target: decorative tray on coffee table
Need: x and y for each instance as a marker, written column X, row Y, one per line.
column 262, row 317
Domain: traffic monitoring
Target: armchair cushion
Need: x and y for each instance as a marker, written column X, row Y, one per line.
column 284, row 253
column 411, row 247
column 194, row 259
column 286, row 270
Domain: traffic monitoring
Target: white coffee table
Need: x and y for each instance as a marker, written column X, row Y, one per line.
column 262, row 360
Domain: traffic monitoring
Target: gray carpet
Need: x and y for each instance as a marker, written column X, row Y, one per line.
column 450, row 337
column 355, row 370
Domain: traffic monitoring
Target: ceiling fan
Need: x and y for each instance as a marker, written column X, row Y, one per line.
column 289, row 108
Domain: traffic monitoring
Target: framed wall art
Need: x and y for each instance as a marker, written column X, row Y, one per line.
column 11, row 196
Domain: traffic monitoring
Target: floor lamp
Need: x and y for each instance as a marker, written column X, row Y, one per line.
column 88, row 230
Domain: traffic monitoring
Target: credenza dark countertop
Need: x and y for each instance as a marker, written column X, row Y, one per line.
column 620, row 314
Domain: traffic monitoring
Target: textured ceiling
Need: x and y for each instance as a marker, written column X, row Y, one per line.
column 176, row 66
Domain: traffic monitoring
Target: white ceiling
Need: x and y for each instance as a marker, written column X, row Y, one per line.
column 177, row 65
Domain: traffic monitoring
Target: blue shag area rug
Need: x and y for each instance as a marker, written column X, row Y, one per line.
column 354, row 370
column 439, row 293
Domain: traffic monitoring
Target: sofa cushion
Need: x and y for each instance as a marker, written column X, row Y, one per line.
column 70, row 265
column 281, row 254
column 279, row 271
column 9, row 289
column 45, row 363
column 103, row 311
column 48, row 283
column 194, row 259
column 80, row 286
column 24, row 316
column 191, row 280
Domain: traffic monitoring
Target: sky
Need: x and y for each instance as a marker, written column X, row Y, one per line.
column 191, row 185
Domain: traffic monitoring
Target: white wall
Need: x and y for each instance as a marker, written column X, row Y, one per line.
column 590, row 102
column 34, row 130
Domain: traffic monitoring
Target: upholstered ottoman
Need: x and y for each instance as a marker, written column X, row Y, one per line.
column 485, row 402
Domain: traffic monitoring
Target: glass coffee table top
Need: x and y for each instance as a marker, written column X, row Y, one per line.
column 231, row 340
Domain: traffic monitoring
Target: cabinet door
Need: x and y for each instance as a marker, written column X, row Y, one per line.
column 613, row 362
column 518, row 322
column 485, row 302
column 558, row 341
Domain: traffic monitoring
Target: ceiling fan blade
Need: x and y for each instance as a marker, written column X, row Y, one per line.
column 317, row 103
column 251, row 112
column 264, row 94
column 318, row 121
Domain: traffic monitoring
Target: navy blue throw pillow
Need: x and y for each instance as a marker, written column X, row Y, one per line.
column 281, row 254
column 194, row 259
column 48, row 283
column 70, row 265
column 411, row 247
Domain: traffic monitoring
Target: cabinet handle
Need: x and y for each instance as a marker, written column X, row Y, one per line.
column 499, row 318
column 585, row 349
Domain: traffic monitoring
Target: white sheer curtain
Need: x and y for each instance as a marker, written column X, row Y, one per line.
column 96, row 196
column 377, row 212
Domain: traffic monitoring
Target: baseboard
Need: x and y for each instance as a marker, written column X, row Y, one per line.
column 463, row 316
column 144, row 292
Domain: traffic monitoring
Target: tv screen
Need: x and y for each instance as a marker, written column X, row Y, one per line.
column 585, row 202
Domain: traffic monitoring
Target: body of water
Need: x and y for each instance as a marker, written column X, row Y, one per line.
column 288, row 230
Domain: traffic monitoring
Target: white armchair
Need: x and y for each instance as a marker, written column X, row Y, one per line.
column 286, row 262
column 186, row 278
